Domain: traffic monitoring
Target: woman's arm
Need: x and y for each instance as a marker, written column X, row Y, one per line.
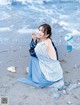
column 32, row 46
column 51, row 50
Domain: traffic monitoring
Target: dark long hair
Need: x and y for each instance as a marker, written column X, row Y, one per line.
column 55, row 50
column 47, row 29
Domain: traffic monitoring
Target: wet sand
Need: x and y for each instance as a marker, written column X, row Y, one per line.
column 22, row 94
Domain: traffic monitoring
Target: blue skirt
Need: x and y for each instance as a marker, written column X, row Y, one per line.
column 35, row 77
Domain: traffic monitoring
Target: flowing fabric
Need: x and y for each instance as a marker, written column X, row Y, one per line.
column 35, row 76
column 42, row 69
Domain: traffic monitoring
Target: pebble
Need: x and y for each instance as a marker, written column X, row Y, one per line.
column 69, row 102
column 66, row 83
column 75, row 66
column 56, row 93
column 78, row 82
column 11, row 69
column 64, row 92
column 27, row 69
column 71, row 87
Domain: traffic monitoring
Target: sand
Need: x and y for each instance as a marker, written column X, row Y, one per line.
column 22, row 94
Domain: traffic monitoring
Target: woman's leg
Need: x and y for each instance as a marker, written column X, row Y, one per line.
column 35, row 76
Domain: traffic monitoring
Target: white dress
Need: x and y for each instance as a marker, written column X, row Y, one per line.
column 50, row 68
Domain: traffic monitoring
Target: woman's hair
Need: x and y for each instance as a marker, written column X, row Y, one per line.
column 47, row 29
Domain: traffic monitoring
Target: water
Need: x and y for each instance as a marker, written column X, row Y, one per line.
column 19, row 19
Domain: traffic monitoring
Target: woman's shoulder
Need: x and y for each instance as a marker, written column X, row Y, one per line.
column 48, row 42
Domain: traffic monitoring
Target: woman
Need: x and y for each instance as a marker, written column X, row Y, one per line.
column 44, row 67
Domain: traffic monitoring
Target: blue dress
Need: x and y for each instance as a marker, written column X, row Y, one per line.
column 43, row 71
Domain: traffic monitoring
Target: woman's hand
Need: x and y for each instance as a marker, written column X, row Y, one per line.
column 34, row 36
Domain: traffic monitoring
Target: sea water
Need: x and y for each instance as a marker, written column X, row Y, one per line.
column 19, row 18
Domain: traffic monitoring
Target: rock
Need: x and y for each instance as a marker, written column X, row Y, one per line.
column 64, row 92
column 56, row 93
column 66, row 83
column 69, row 102
column 71, row 87
column 27, row 69
column 78, row 82
column 11, row 69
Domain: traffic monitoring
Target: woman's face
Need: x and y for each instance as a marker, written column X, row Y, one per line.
column 41, row 32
